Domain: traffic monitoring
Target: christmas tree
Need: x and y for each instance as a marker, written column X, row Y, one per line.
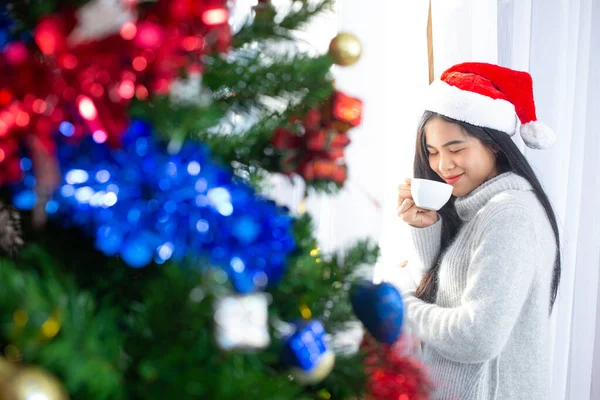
column 145, row 261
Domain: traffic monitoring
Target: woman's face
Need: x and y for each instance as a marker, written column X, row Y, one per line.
column 461, row 160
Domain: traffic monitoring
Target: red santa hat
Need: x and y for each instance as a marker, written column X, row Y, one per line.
column 490, row 96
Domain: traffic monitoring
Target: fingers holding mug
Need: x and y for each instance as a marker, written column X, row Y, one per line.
column 404, row 192
column 407, row 209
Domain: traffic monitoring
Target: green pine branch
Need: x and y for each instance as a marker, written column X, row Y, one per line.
column 265, row 26
column 245, row 80
column 320, row 281
column 85, row 352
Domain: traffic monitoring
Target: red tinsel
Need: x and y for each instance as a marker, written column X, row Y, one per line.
column 88, row 84
column 315, row 149
column 392, row 375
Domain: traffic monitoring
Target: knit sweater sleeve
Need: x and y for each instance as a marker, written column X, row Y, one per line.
column 500, row 273
column 427, row 243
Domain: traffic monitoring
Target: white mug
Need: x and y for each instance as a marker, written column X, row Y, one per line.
column 430, row 195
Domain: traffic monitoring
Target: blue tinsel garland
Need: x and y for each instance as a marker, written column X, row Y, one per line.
column 144, row 204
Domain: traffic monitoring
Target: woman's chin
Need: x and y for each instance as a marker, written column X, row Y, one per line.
column 459, row 191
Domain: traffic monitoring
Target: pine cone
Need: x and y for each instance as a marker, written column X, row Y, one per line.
column 11, row 234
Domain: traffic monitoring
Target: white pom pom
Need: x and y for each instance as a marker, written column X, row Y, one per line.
column 536, row 135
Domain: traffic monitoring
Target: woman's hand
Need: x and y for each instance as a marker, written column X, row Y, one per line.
column 408, row 210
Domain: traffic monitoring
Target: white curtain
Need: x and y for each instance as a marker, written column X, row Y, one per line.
column 563, row 58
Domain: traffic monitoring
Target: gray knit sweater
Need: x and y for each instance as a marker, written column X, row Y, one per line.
column 487, row 335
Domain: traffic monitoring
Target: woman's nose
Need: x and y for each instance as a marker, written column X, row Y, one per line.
column 446, row 163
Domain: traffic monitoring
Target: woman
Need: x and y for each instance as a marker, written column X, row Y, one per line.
column 488, row 263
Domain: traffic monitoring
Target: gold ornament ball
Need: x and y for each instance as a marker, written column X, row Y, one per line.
column 32, row 383
column 6, row 369
column 345, row 49
column 318, row 373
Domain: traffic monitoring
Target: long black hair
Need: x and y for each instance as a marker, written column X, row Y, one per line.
column 508, row 158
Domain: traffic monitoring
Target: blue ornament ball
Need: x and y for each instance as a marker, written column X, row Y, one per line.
column 380, row 308
column 306, row 346
column 306, row 351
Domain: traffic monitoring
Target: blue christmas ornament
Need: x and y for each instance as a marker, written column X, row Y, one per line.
column 380, row 308
column 308, row 354
column 144, row 204
column 306, row 346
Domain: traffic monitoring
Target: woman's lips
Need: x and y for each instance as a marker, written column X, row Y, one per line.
column 453, row 179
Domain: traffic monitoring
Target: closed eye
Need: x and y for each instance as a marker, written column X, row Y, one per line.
column 451, row 151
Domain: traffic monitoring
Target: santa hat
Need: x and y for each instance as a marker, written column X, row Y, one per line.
column 490, row 96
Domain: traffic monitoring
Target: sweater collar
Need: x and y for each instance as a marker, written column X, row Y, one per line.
column 468, row 206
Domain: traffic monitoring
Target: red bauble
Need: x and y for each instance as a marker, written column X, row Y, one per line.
column 346, row 109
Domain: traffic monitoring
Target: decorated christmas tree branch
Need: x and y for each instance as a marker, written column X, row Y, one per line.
column 47, row 321
column 299, row 297
column 311, row 273
column 179, row 358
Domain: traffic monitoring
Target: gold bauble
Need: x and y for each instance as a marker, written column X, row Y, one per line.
column 32, row 383
column 345, row 49
column 7, row 369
